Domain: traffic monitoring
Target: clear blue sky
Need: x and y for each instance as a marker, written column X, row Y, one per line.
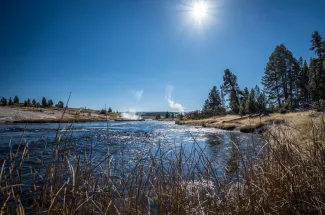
column 125, row 53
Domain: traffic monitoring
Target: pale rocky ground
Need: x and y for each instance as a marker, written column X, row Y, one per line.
column 14, row 114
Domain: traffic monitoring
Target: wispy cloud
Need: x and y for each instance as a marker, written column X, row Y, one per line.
column 137, row 94
column 172, row 104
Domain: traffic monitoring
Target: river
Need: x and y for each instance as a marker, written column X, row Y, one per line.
column 128, row 141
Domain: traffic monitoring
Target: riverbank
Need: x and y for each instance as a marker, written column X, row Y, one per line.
column 246, row 124
column 54, row 115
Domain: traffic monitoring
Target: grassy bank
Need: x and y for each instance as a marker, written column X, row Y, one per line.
column 245, row 124
column 283, row 175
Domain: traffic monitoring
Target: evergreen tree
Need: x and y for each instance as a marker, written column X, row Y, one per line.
column 28, row 101
column 44, row 102
column 242, row 108
column 314, row 84
column 110, row 110
column 317, row 68
column 245, row 94
column 250, row 103
column 16, row 100
column 230, row 87
column 10, row 102
column 167, row 115
column 222, row 97
column 233, row 101
column 34, row 102
column 25, row 103
column 213, row 105
column 214, row 97
column 280, row 75
column 4, row 101
column 261, row 102
column 317, row 44
column 206, row 107
column 302, row 84
column 50, row 103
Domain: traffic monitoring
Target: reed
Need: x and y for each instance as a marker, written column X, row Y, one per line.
column 284, row 174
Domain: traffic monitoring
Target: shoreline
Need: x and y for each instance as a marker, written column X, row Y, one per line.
column 14, row 115
column 246, row 124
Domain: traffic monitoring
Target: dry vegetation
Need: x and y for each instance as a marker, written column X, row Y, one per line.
column 40, row 115
column 246, row 123
column 283, row 175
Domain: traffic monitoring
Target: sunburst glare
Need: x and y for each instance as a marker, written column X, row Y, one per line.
column 199, row 10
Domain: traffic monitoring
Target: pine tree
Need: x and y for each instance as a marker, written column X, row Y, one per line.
column 44, row 102
column 50, row 103
column 314, row 80
column 25, row 103
column 261, row 102
column 242, row 108
column 280, row 76
column 214, row 97
column 16, row 100
column 317, row 44
column 317, row 68
column 28, row 101
column 34, row 102
column 206, row 107
column 250, row 103
column 167, row 115
column 110, row 110
column 10, row 102
column 230, row 87
column 213, row 105
column 4, row 101
column 222, row 97
column 302, row 84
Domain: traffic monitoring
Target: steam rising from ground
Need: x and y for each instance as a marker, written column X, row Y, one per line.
column 130, row 114
column 137, row 94
column 172, row 104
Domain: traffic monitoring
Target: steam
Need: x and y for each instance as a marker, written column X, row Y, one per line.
column 172, row 104
column 137, row 94
column 130, row 114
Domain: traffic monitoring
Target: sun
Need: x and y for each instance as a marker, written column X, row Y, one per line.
column 199, row 10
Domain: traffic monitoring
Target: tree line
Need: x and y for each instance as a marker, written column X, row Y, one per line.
column 30, row 103
column 288, row 84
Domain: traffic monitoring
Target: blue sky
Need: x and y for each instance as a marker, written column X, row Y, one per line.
column 126, row 53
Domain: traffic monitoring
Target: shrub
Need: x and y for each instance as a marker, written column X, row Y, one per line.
column 283, row 111
column 103, row 111
column 317, row 107
column 60, row 104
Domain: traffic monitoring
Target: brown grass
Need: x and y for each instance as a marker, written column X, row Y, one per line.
column 245, row 124
column 284, row 174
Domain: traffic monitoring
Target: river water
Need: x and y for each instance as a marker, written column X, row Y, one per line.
column 128, row 141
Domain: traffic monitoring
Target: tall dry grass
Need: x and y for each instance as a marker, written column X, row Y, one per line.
column 285, row 174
